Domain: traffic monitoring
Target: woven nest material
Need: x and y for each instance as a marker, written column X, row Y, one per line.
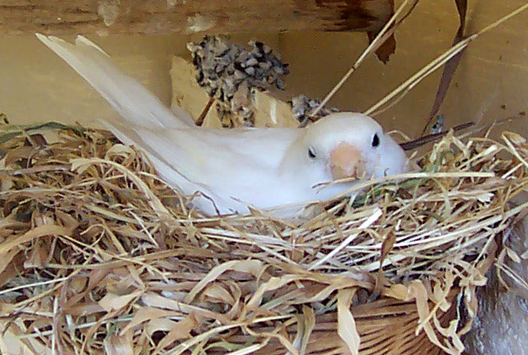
column 98, row 254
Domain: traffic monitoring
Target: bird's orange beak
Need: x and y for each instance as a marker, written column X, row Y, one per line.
column 346, row 161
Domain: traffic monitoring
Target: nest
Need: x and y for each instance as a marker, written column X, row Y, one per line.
column 100, row 255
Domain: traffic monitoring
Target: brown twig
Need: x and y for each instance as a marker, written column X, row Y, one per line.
column 436, row 136
column 205, row 111
column 432, row 137
column 450, row 67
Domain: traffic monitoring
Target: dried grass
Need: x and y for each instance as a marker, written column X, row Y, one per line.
column 97, row 254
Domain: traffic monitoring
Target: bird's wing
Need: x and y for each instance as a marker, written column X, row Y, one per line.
column 128, row 97
column 233, row 168
column 215, row 157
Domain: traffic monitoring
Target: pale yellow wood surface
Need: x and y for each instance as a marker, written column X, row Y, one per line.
column 491, row 82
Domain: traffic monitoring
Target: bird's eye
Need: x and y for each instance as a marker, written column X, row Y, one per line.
column 375, row 140
column 311, row 153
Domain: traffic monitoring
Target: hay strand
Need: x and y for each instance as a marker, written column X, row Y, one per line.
column 99, row 255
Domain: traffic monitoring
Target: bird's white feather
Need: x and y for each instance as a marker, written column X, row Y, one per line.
column 127, row 96
column 230, row 169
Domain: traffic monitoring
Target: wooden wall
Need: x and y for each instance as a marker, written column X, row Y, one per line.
column 491, row 83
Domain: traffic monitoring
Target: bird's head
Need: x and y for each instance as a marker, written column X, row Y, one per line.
column 352, row 145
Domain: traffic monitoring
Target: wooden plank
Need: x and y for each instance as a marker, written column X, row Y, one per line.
column 103, row 17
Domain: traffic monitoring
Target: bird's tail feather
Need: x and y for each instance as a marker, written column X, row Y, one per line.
column 129, row 98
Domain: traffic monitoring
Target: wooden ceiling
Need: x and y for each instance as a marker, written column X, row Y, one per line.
column 104, row 17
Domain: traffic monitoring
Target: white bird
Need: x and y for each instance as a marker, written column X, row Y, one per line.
column 234, row 169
